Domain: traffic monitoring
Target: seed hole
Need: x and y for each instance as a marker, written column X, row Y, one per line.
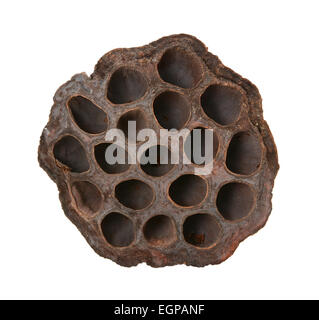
column 171, row 110
column 163, row 161
column 189, row 141
column 126, row 85
column 87, row 115
column 160, row 231
column 243, row 154
column 118, row 230
column 99, row 152
column 188, row 190
column 222, row 104
column 179, row 68
column 201, row 230
column 134, row 194
column 70, row 152
column 87, row 196
column 235, row 200
column 133, row 115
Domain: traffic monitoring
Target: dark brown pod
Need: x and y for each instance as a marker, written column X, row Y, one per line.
column 161, row 214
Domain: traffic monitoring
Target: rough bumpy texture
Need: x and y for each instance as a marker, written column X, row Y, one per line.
column 162, row 215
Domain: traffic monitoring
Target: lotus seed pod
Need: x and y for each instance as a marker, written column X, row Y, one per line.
column 166, row 213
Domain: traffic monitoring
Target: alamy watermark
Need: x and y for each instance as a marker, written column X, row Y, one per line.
column 183, row 146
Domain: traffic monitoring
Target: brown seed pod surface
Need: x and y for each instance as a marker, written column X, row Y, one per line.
column 161, row 214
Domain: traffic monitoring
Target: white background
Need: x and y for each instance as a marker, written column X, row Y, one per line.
column 43, row 43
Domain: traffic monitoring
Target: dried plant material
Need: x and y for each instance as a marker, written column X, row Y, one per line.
column 162, row 214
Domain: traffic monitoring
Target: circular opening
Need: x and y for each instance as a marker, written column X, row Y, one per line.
column 243, row 154
column 159, row 158
column 99, row 152
column 126, row 85
column 188, row 190
column 87, row 196
column 222, row 104
column 201, row 230
column 198, row 139
column 134, row 194
column 118, row 230
column 69, row 151
column 87, row 115
column 179, row 68
column 159, row 231
column 171, row 110
column 133, row 115
column 235, row 200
